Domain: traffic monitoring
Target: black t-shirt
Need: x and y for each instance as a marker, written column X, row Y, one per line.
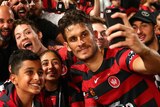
column 4, row 59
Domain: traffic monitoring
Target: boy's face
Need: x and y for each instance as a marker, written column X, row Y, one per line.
column 144, row 30
column 51, row 66
column 30, row 77
column 27, row 38
column 81, row 41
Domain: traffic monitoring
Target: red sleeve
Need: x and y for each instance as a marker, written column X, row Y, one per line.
column 126, row 60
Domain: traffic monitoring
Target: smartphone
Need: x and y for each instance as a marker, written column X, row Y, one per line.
column 112, row 21
column 60, row 6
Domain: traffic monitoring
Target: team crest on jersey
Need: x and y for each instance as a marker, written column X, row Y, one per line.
column 114, row 81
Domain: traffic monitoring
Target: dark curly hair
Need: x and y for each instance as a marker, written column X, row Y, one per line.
column 72, row 17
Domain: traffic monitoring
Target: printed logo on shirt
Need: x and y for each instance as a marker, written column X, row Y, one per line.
column 96, row 80
column 118, row 104
column 114, row 82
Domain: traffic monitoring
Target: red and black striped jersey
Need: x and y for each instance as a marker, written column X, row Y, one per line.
column 67, row 95
column 9, row 97
column 77, row 71
column 115, row 83
column 76, row 99
column 67, row 56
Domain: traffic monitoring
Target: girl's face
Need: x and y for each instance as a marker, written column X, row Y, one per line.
column 51, row 65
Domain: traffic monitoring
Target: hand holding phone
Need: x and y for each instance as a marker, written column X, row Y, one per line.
column 112, row 21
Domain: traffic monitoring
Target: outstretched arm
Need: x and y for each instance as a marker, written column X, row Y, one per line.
column 148, row 61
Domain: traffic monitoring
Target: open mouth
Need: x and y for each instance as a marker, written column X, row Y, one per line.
column 27, row 45
column 22, row 12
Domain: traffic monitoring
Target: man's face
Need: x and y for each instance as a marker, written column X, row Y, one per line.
column 144, row 30
column 30, row 77
column 27, row 38
column 20, row 8
column 101, row 37
column 6, row 23
column 81, row 41
column 35, row 7
column 52, row 66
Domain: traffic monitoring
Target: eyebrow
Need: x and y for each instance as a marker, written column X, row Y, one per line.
column 52, row 59
column 28, row 68
column 23, row 31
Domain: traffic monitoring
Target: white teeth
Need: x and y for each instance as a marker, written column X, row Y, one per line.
column 25, row 45
column 21, row 11
column 36, row 85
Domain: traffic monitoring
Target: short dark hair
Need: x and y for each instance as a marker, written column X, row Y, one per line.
column 72, row 17
column 19, row 56
column 96, row 19
column 27, row 22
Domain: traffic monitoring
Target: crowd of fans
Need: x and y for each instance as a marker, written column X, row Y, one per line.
column 58, row 53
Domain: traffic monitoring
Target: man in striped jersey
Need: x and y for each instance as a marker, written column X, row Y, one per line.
column 144, row 24
column 124, row 76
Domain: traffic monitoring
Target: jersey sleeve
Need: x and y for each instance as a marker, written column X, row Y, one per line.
column 125, row 59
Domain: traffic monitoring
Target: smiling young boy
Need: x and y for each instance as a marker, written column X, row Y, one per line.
column 27, row 80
